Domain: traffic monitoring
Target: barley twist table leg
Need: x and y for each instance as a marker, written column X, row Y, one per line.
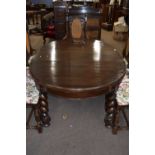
column 110, row 109
column 43, row 109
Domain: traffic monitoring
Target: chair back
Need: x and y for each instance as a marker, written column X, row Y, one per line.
column 60, row 11
column 76, row 25
column 76, row 28
column 93, row 25
column 84, row 23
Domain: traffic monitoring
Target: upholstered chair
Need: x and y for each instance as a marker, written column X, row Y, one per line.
column 36, row 100
column 32, row 101
column 36, row 97
column 122, row 100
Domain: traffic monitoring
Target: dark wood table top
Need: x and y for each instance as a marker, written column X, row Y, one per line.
column 76, row 70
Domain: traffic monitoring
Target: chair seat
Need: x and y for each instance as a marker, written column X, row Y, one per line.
column 32, row 93
column 122, row 94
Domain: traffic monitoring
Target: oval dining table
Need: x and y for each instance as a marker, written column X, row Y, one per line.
column 71, row 70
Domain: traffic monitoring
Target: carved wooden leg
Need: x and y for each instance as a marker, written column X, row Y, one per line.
column 110, row 108
column 43, row 109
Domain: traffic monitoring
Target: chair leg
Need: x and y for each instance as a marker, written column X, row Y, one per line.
column 34, row 111
column 29, row 118
column 117, row 126
column 38, row 120
column 125, row 117
column 116, row 121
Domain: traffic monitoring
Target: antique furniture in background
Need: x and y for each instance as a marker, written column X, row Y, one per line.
column 112, row 9
column 54, row 24
column 109, row 12
column 48, row 26
column 34, row 20
column 34, row 15
column 120, row 30
column 78, row 3
column 80, row 71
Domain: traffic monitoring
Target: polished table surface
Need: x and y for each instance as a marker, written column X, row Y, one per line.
column 77, row 70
